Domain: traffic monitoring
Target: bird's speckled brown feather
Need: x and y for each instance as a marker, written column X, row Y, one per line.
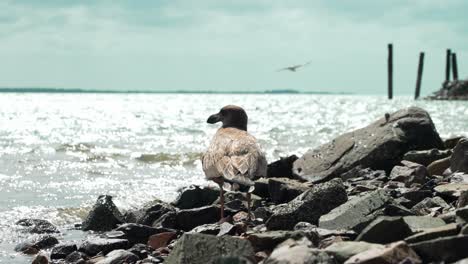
column 235, row 156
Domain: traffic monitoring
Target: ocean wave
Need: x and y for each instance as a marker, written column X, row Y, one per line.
column 185, row 159
column 75, row 147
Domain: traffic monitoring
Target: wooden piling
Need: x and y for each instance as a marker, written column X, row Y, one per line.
column 419, row 76
column 447, row 65
column 390, row 71
column 454, row 66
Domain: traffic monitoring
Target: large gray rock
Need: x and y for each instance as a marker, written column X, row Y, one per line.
column 459, row 160
column 283, row 190
column 309, row 206
column 281, row 168
column 93, row 246
column 148, row 213
column 200, row 249
column 104, row 215
column 190, row 218
column 452, row 189
column 119, row 256
column 432, row 233
column 62, row 251
column 448, row 249
column 36, row 243
column 426, row 157
column 37, row 226
column 357, row 212
column 299, row 252
column 385, row 230
column 136, row 233
column 381, row 145
column 425, row 206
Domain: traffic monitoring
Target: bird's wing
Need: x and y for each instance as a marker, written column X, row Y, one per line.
column 283, row 69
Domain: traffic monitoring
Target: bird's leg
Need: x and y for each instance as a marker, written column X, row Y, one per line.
column 248, row 207
column 221, row 199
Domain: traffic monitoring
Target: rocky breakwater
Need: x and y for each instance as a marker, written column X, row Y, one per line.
column 392, row 192
column 452, row 90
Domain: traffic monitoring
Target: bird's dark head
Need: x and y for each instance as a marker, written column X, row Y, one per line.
column 230, row 116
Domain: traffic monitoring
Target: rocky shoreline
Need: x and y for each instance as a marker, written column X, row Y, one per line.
column 391, row 192
column 452, row 90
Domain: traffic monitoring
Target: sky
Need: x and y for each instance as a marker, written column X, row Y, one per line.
column 229, row 45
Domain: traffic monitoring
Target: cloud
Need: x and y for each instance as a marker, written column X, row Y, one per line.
column 219, row 45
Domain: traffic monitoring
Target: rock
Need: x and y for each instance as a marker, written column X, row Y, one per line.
column 261, row 188
column 299, row 252
column 432, row 233
column 119, row 256
column 95, row 245
column 237, row 201
column 424, row 207
column 40, row 259
column 385, row 230
column 462, row 215
column 363, row 173
column 381, row 145
column 149, row 213
column 448, row 249
column 421, row 223
column 104, row 215
column 76, row 257
column 463, row 199
column 262, row 213
column 309, row 206
column 161, row 240
column 452, row 189
column 281, row 168
column 409, row 173
column 393, row 253
column 62, row 251
column 270, row 239
column 208, row 229
column 346, row 249
column 283, row 190
column 450, row 143
column 426, row 157
column 415, row 196
column 36, row 243
column 196, row 196
column 141, row 250
column 136, row 233
column 37, row 226
column 190, row 218
column 438, row 167
column 168, row 220
column 193, row 249
column 459, row 160
column 357, row 212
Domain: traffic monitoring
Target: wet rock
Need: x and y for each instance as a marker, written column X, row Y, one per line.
column 346, row 249
column 62, row 251
column 357, row 212
column 432, row 233
column 37, row 226
column 119, row 256
column 283, row 190
column 385, row 230
column 149, row 213
column 447, row 249
column 104, row 215
column 270, row 239
column 36, row 243
column 281, row 168
column 168, row 220
column 261, row 188
column 426, row 157
column 95, row 245
column 190, row 218
column 459, row 160
column 393, row 253
column 40, row 259
column 451, row 189
column 409, row 173
column 425, row 206
column 381, row 145
column 196, row 196
column 299, row 252
column 193, row 249
column 161, row 239
column 309, row 206
column 136, row 233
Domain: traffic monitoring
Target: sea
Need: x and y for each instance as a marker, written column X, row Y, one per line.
column 60, row 151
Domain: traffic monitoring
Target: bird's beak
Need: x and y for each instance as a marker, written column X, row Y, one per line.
column 214, row 118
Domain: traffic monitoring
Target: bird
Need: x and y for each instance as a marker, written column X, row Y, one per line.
column 234, row 158
column 295, row 67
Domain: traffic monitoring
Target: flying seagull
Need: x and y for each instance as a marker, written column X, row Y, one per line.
column 234, row 158
column 295, row 67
